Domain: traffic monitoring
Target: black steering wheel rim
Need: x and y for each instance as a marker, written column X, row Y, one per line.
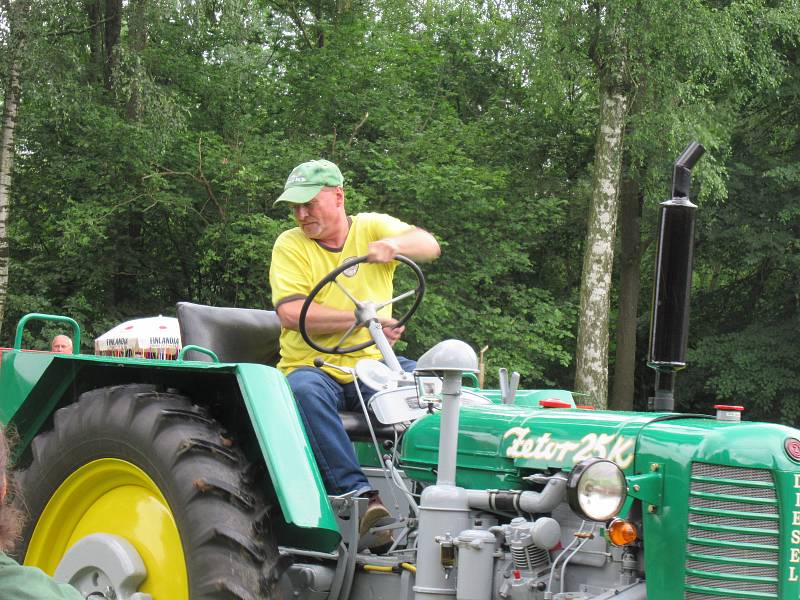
column 419, row 291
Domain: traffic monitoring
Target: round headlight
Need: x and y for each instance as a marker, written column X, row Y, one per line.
column 596, row 489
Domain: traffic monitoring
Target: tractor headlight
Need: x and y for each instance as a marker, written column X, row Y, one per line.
column 596, row 489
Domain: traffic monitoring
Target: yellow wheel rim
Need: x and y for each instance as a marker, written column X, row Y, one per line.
column 114, row 496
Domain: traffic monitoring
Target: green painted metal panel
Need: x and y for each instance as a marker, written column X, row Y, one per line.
column 720, row 500
column 289, row 457
column 19, row 372
column 366, row 454
column 788, row 487
column 33, row 383
column 496, row 443
column 740, row 542
column 532, row 398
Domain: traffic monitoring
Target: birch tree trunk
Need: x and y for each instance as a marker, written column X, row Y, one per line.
column 7, row 161
column 591, row 361
column 631, row 248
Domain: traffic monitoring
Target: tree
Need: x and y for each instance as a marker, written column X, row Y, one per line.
column 747, row 293
column 630, row 255
column 676, row 92
column 591, row 359
column 14, row 13
column 606, row 24
column 683, row 92
column 153, row 151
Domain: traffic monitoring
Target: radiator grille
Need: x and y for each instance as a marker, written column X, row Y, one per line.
column 752, row 523
column 710, row 536
column 734, row 585
column 728, row 505
column 714, row 488
column 696, row 596
column 733, row 533
column 745, row 554
column 733, row 473
column 737, row 569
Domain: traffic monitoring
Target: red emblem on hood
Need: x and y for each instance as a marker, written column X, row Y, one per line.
column 792, row 446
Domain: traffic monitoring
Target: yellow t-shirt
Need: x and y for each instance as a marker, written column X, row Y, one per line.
column 299, row 263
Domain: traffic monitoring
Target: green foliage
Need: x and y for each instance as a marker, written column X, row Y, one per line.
column 754, row 367
column 234, row 261
column 475, row 120
column 747, row 292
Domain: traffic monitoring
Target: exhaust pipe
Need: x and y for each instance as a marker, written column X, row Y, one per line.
column 669, row 322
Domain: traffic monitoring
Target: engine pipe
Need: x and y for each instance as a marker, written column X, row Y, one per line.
column 514, row 501
column 443, row 507
column 669, row 322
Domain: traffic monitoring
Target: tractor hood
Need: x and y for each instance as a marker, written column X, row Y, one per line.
column 496, row 442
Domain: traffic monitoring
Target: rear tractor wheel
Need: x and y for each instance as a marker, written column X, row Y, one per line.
column 135, row 494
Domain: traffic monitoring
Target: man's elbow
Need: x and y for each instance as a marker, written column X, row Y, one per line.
column 430, row 249
column 289, row 318
column 436, row 250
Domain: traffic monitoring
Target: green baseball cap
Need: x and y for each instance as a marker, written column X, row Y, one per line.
column 306, row 181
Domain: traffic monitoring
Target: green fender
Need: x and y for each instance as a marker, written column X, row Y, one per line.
column 289, row 457
column 34, row 384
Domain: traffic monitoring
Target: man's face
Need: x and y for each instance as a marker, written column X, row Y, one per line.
column 61, row 345
column 320, row 217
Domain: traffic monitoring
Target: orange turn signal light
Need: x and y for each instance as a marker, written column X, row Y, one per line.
column 622, row 532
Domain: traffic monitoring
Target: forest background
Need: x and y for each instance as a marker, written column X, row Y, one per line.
column 144, row 142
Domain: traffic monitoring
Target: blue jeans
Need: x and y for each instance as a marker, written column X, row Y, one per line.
column 320, row 398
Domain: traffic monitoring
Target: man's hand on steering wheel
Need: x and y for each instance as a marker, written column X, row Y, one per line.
column 364, row 310
column 382, row 251
column 392, row 330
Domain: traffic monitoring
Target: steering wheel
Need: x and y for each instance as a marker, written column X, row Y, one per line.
column 369, row 307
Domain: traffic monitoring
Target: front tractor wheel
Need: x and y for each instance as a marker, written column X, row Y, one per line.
column 131, row 475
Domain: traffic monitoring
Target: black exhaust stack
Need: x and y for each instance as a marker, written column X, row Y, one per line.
column 669, row 322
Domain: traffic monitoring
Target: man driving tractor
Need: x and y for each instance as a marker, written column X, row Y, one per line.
column 324, row 238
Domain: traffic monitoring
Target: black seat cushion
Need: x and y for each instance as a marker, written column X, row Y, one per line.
column 252, row 336
column 357, row 430
column 233, row 334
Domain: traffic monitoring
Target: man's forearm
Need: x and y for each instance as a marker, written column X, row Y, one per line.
column 417, row 244
column 320, row 319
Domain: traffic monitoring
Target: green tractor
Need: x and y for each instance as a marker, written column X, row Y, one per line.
column 194, row 479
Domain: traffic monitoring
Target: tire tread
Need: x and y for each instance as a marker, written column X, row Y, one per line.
column 202, row 474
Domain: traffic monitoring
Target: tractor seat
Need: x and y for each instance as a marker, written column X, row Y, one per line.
column 250, row 335
column 233, row 334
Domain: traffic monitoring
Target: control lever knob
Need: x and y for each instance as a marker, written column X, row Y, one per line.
column 319, row 362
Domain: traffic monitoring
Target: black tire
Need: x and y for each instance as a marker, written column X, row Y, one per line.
column 221, row 515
